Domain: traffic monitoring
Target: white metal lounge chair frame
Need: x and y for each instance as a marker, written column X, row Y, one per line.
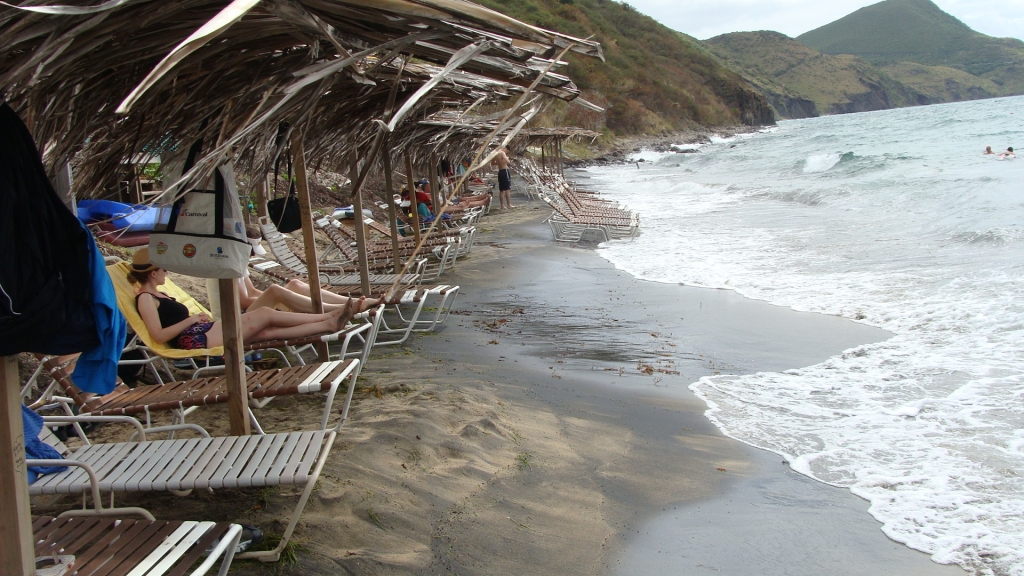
column 404, row 327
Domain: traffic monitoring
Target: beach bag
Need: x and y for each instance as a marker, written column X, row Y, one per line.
column 284, row 212
column 204, row 234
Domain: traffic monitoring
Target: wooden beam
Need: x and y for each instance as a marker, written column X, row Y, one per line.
column 134, row 184
column 360, row 226
column 434, row 195
column 412, row 197
column 306, row 215
column 543, row 158
column 262, row 187
column 389, row 187
column 234, row 357
column 17, row 552
column 62, row 182
column 558, row 154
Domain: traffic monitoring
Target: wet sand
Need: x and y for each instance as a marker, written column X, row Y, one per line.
column 548, row 429
column 597, row 347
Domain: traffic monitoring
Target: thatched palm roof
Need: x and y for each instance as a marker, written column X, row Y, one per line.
column 102, row 83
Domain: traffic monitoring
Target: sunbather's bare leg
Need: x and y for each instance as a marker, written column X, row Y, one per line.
column 302, row 288
column 270, row 324
column 336, row 321
column 276, row 296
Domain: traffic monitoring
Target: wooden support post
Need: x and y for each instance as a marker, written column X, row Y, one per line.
column 434, row 195
column 543, row 158
column 62, row 182
column 357, row 205
column 134, row 185
column 306, row 215
column 412, row 197
column 558, row 154
column 17, row 552
column 234, row 357
column 262, row 187
column 389, row 188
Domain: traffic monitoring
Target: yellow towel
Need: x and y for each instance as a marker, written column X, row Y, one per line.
column 126, row 302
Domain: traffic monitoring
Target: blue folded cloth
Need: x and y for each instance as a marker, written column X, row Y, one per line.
column 36, row 448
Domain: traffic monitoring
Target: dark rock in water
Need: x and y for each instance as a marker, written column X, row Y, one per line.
column 679, row 150
column 641, row 160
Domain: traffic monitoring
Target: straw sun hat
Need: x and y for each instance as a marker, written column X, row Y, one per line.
column 140, row 261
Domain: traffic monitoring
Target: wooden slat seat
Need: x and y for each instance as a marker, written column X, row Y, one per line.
column 124, row 401
column 118, row 547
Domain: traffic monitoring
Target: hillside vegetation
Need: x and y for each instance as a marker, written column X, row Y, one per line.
column 655, row 80
column 891, row 54
column 919, row 31
column 800, row 82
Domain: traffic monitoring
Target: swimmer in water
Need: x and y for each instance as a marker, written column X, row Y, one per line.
column 988, row 150
column 1008, row 154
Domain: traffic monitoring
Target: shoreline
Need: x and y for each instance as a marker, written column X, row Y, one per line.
column 548, row 428
column 726, row 333
column 617, row 151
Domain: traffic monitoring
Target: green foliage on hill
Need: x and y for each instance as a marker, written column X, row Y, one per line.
column 891, row 54
column 800, row 82
column 919, row 31
column 654, row 80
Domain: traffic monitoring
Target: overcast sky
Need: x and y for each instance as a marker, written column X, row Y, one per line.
column 706, row 18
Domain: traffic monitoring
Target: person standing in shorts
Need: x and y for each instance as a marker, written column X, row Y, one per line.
column 504, row 179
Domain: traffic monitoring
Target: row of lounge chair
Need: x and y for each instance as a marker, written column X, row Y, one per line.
column 577, row 214
column 102, row 544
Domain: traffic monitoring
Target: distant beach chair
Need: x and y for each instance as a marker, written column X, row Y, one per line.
column 407, row 305
column 288, row 258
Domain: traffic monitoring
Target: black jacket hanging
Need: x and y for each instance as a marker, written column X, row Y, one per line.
column 45, row 295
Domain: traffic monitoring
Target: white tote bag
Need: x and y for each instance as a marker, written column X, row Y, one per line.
column 204, row 234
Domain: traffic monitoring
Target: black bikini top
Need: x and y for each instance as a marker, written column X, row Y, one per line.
column 170, row 310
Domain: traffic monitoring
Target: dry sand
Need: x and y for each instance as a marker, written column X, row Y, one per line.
column 547, row 429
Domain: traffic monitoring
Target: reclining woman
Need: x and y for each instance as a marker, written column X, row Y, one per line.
column 169, row 321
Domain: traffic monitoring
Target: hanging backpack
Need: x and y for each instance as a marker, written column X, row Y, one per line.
column 204, row 235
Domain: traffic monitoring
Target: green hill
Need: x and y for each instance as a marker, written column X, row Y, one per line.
column 891, row 54
column 919, row 31
column 801, row 82
column 654, row 80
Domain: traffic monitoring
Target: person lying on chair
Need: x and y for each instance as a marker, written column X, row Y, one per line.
column 293, row 296
column 169, row 321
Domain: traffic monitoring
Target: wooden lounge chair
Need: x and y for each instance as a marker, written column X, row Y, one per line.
column 185, row 464
column 137, row 547
column 185, row 396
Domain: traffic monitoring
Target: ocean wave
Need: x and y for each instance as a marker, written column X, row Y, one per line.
column 825, row 162
column 998, row 236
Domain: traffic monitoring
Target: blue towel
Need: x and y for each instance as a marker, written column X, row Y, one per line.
column 96, row 370
column 36, row 448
